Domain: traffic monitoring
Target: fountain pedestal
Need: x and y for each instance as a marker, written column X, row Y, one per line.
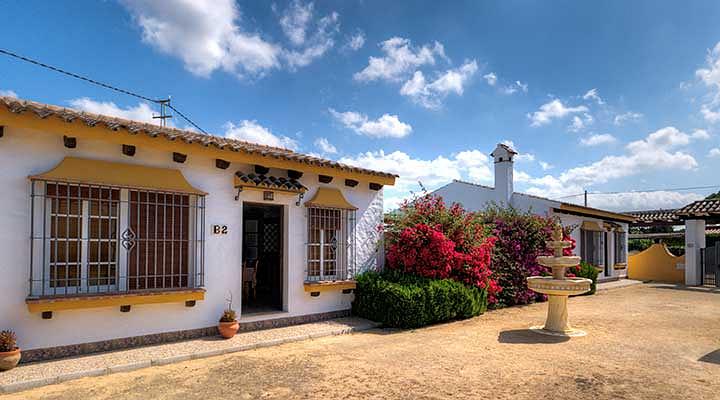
column 558, row 288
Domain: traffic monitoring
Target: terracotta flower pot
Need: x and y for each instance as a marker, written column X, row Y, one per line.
column 228, row 329
column 9, row 359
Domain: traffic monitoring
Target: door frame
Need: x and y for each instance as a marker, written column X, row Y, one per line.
column 283, row 249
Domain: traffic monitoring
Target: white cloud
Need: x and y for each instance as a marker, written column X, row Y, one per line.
column 578, row 124
column 325, row 146
column 251, row 131
column 545, row 166
column 205, row 35
column 710, row 115
column 553, row 109
column 431, row 94
column 714, row 152
column 491, row 78
column 141, row 112
column 659, row 151
column 593, row 94
column 356, row 41
column 711, row 77
column 627, row 117
column 400, row 59
column 515, row 87
column 314, row 46
column 208, row 36
column 432, row 173
column 700, row 134
column 8, row 93
column 295, row 20
column 385, row 126
column 599, row 139
column 634, row 201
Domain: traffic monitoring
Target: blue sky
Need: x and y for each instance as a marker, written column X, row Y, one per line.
column 604, row 96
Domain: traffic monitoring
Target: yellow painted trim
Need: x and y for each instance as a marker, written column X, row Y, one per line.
column 324, row 286
column 238, row 183
column 591, row 226
column 620, row 266
column 329, row 197
column 596, row 212
column 57, row 127
column 84, row 170
column 112, row 300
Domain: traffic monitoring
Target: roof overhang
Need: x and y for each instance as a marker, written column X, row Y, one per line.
column 50, row 119
column 107, row 173
column 573, row 209
column 330, row 198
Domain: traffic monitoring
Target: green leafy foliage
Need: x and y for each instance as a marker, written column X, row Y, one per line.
column 589, row 271
column 407, row 301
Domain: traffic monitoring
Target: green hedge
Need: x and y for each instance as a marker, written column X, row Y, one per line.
column 406, row 301
column 588, row 271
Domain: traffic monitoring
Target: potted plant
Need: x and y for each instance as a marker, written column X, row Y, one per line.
column 9, row 352
column 228, row 325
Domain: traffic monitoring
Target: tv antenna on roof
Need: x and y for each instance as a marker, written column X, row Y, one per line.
column 164, row 105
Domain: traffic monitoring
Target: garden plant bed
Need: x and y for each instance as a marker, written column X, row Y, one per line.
column 644, row 342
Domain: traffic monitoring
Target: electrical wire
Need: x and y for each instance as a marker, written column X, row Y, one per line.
column 101, row 84
column 643, row 191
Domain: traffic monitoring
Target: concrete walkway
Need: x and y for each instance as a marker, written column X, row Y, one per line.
column 27, row 376
column 622, row 283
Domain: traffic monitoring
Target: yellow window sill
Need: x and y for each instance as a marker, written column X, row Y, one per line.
column 113, row 300
column 323, row 286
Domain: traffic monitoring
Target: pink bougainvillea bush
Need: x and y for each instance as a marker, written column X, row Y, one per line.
column 426, row 238
column 521, row 238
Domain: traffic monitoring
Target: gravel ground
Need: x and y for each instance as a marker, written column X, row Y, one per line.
column 644, row 342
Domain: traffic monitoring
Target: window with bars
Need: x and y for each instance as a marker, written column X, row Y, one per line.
column 620, row 248
column 331, row 244
column 592, row 245
column 97, row 239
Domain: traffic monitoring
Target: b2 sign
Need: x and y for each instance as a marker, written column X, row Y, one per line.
column 219, row 229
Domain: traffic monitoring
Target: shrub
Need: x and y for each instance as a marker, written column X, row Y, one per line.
column 425, row 238
column 521, row 238
column 406, row 301
column 587, row 270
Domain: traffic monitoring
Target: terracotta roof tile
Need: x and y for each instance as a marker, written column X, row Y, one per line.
column 44, row 111
column 651, row 216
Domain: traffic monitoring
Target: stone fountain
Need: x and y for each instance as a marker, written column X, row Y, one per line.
column 558, row 287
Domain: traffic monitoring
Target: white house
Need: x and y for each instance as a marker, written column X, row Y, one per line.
column 118, row 233
column 601, row 236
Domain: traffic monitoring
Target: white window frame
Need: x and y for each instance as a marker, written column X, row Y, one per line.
column 84, row 241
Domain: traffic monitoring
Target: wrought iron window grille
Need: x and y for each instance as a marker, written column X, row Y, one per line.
column 96, row 239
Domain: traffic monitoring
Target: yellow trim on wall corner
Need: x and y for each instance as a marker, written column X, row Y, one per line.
column 113, row 300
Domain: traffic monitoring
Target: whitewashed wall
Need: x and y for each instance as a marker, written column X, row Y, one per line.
column 24, row 152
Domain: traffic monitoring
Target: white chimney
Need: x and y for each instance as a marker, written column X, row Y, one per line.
column 503, row 156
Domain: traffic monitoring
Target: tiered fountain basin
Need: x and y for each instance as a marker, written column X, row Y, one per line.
column 558, row 288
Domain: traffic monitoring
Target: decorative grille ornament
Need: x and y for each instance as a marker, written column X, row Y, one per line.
column 128, row 239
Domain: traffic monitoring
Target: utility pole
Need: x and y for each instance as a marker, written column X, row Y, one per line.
column 163, row 111
column 585, row 198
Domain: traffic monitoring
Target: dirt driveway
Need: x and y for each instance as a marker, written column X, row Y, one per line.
column 644, row 342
